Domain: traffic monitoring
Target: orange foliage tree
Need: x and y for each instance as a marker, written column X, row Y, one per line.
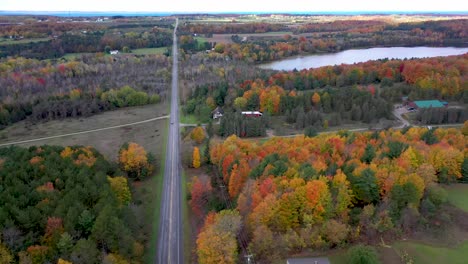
column 133, row 159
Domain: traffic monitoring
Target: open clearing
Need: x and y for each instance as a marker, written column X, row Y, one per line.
column 22, row 41
column 427, row 254
column 458, row 195
column 108, row 142
column 149, row 51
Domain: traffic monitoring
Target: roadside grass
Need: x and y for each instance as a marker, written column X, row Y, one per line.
column 458, row 195
column 186, row 229
column 188, row 119
column 339, row 257
column 22, row 41
column 149, row 51
column 427, row 254
column 153, row 210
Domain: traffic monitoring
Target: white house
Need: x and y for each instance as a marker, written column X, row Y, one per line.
column 217, row 113
column 113, row 52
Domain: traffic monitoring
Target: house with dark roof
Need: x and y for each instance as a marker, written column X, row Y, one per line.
column 217, row 113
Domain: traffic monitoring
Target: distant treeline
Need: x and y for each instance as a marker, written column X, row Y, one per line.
column 86, row 42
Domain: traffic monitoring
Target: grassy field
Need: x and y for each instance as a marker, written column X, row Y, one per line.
column 188, row 119
column 427, row 254
column 458, row 195
column 108, row 142
column 149, row 51
column 72, row 56
column 21, row 41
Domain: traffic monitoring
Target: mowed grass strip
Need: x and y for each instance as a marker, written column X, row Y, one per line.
column 22, row 41
column 458, row 196
column 154, row 210
column 427, row 254
column 149, row 51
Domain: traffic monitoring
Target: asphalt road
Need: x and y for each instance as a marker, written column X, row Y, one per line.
column 170, row 224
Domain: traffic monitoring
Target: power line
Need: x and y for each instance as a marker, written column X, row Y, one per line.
column 241, row 236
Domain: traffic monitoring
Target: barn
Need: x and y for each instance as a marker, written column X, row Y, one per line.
column 415, row 105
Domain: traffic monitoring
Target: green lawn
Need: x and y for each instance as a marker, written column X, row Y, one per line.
column 458, row 195
column 188, row 119
column 426, row 254
column 72, row 56
column 149, row 51
column 201, row 39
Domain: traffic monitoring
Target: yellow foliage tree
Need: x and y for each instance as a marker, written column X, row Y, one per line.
column 67, row 152
column 5, row 255
column 61, row 261
column 465, row 128
column 134, row 161
column 196, row 158
column 115, row 259
column 210, row 102
column 240, row 102
column 198, row 135
column 119, row 186
column 75, row 94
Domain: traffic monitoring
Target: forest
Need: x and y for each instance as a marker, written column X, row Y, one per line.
column 284, row 196
column 332, row 95
column 45, row 90
column 71, row 205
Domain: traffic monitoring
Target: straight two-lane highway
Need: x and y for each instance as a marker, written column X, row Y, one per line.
column 170, row 226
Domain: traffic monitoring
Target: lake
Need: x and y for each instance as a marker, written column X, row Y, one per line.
column 360, row 55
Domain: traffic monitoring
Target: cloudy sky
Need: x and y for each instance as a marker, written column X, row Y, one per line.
column 234, row 5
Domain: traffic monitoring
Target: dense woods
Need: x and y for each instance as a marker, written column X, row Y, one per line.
column 67, row 204
column 292, row 194
column 332, row 95
column 88, row 85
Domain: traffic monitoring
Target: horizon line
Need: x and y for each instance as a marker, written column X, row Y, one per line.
column 362, row 12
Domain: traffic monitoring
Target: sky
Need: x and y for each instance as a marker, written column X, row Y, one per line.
column 193, row 6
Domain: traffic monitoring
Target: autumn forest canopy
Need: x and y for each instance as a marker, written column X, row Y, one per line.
column 72, row 204
column 273, row 163
column 293, row 194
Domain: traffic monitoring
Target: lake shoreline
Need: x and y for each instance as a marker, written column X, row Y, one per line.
column 352, row 56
